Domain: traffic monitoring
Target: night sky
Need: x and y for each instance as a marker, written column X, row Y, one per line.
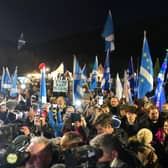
column 56, row 29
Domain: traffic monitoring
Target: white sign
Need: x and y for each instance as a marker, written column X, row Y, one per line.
column 60, row 86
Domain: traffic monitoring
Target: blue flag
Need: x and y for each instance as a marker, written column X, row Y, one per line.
column 159, row 92
column 13, row 90
column 93, row 82
column 108, row 33
column 43, row 93
column 6, row 81
column 145, row 81
column 21, row 42
column 84, row 75
column 77, row 82
column 106, row 75
column 130, row 75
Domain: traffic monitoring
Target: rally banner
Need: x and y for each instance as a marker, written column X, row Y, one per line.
column 60, row 86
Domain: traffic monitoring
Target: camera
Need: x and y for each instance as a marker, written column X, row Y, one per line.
column 83, row 156
column 17, row 115
column 14, row 154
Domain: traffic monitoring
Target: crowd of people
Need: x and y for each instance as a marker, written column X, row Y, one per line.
column 113, row 134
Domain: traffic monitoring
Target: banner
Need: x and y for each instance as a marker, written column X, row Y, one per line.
column 60, row 86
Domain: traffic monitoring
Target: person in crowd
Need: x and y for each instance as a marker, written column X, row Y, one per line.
column 130, row 122
column 61, row 103
column 154, row 121
column 105, row 123
column 122, row 111
column 70, row 139
column 3, row 113
column 55, row 118
column 114, row 155
column 105, row 109
column 141, row 144
column 40, row 153
column 164, row 111
column 37, row 125
column 160, row 142
column 75, row 123
column 114, row 105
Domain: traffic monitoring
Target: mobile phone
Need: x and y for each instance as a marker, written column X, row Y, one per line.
column 100, row 100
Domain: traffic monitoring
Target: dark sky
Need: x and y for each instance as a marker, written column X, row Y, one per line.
column 42, row 21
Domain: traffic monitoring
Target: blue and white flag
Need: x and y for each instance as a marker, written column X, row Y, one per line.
column 21, row 42
column 145, row 81
column 108, row 33
column 106, row 75
column 77, row 82
column 84, row 75
column 131, row 75
column 93, row 82
column 118, row 87
column 6, row 80
column 13, row 90
column 159, row 92
column 43, row 92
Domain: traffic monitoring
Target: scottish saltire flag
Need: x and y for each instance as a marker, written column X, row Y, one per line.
column 93, row 82
column 111, row 86
column 159, row 92
column 127, row 89
column 84, row 75
column 43, row 93
column 77, row 82
column 108, row 33
column 106, row 75
column 21, row 42
column 118, row 87
column 145, row 81
column 130, row 75
column 6, row 80
column 13, row 90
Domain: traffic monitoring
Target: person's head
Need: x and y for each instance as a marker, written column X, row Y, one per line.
column 103, row 123
column 131, row 114
column 109, row 144
column 144, row 136
column 153, row 113
column 122, row 111
column 70, row 139
column 76, row 119
column 31, row 114
column 114, row 101
column 165, row 126
column 164, row 110
column 3, row 108
column 70, row 109
column 61, row 102
column 105, row 109
column 40, row 153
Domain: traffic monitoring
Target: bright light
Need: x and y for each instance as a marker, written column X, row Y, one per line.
column 29, row 75
column 78, row 103
column 47, row 69
column 23, row 86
